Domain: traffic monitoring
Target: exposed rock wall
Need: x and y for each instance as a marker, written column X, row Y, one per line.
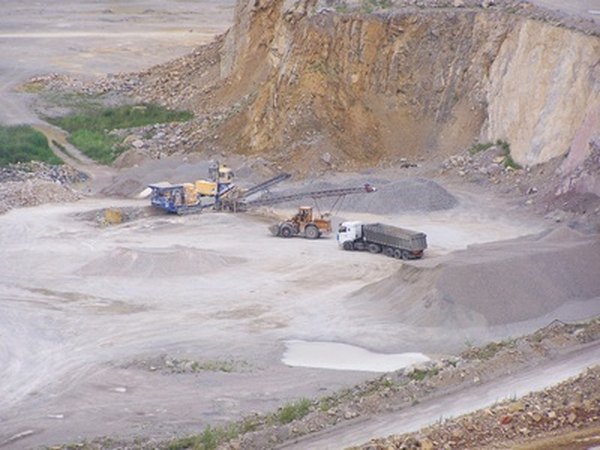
column 309, row 87
column 367, row 88
column 544, row 93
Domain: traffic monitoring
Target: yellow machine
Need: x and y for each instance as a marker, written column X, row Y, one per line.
column 303, row 224
column 188, row 197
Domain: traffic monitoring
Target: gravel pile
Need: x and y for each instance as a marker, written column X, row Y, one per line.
column 395, row 197
column 33, row 192
column 35, row 183
column 522, row 281
column 62, row 174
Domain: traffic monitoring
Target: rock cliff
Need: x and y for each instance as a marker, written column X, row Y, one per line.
column 306, row 84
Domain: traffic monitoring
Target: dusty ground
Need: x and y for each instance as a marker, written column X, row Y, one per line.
column 90, row 38
column 90, row 314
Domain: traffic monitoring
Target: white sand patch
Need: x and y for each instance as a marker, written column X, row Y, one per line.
column 338, row 356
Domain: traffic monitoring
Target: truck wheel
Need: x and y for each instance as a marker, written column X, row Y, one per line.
column 286, row 231
column 374, row 248
column 398, row 254
column 348, row 246
column 311, row 232
column 388, row 251
column 404, row 255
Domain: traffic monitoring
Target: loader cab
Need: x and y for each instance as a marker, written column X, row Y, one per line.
column 304, row 215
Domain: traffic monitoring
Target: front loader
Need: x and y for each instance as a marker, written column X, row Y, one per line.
column 303, row 224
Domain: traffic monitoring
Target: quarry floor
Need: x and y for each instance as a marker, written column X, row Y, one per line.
column 89, row 315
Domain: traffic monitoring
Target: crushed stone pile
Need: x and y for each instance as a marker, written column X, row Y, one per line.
column 391, row 197
column 62, row 174
column 35, row 183
column 158, row 262
column 15, row 194
column 522, row 282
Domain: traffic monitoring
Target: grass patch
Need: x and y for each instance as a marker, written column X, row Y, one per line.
column 210, row 439
column 420, row 375
column 480, row 147
column 213, row 366
column 90, row 129
column 488, row 351
column 32, row 87
column 326, row 403
column 293, row 411
column 503, row 145
column 24, row 144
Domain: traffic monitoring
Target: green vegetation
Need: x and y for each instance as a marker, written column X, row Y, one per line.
column 293, row 411
column 488, row 351
column 214, row 366
column 90, row 129
column 32, row 87
column 505, row 146
column 480, row 147
column 23, row 144
column 326, row 403
column 210, row 439
column 420, row 375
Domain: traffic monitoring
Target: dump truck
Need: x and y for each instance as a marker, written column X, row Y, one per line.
column 303, row 224
column 380, row 238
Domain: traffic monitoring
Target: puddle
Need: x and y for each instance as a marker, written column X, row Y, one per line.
column 333, row 355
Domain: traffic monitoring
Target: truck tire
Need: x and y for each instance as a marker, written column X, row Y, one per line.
column 311, row 232
column 398, row 254
column 374, row 248
column 404, row 255
column 348, row 246
column 286, row 231
column 388, row 251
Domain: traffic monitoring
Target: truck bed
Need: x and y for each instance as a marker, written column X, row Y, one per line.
column 395, row 237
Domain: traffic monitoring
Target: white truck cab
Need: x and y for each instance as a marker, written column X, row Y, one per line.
column 349, row 232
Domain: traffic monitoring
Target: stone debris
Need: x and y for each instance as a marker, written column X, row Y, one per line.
column 566, row 407
column 36, row 183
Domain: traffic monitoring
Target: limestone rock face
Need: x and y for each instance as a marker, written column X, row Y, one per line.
column 294, row 80
column 544, row 92
column 367, row 87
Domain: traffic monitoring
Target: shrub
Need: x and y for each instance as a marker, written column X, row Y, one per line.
column 293, row 411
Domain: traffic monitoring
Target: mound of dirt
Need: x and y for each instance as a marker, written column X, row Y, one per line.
column 550, row 276
column 158, row 262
